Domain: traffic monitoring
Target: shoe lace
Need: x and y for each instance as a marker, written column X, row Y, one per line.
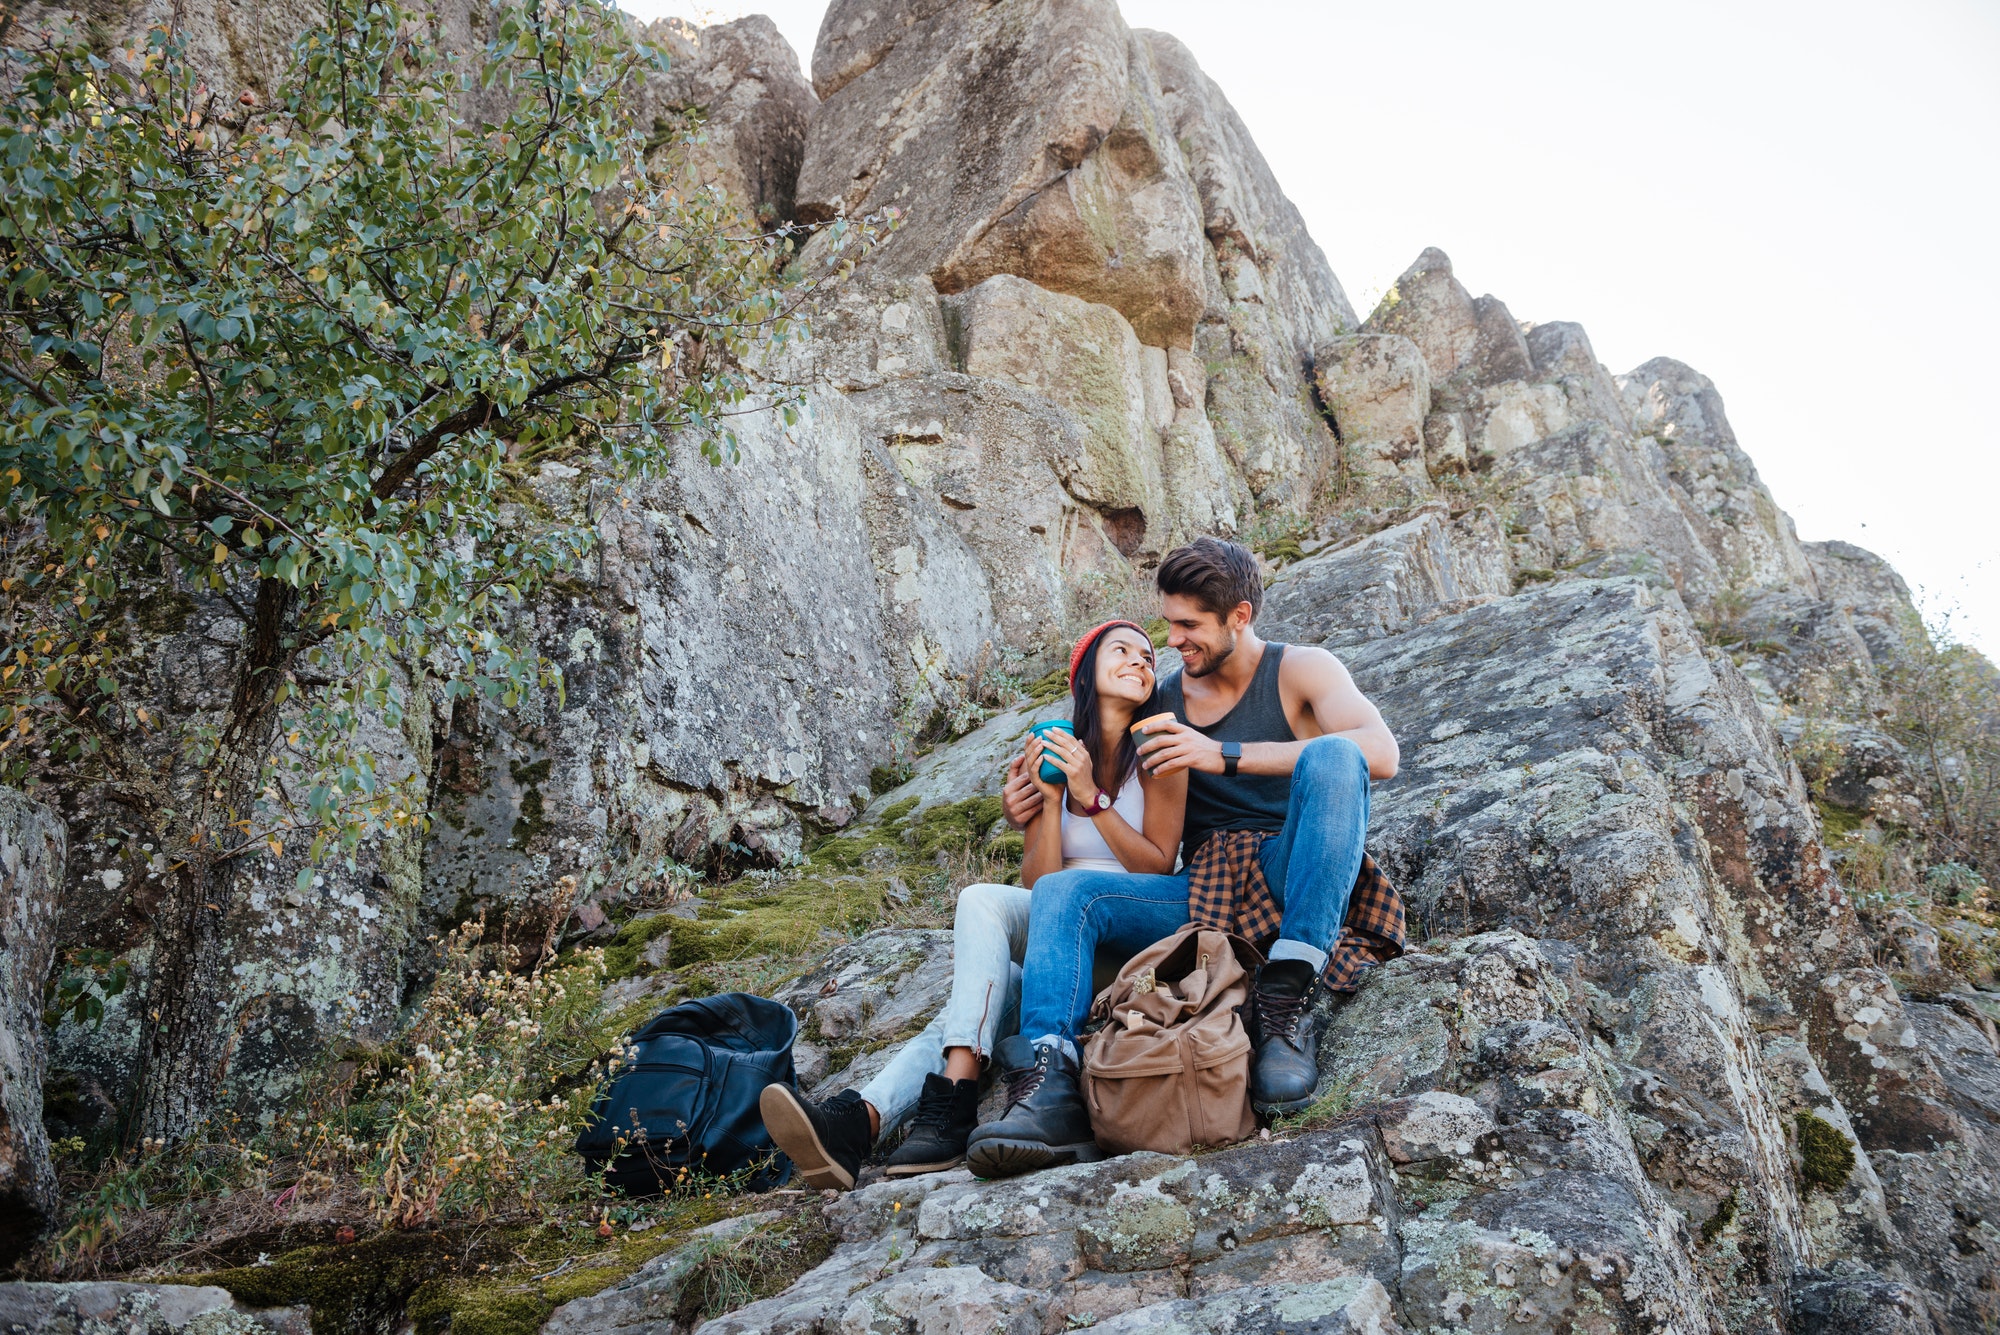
column 934, row 1108
column 1278, row 1013
column 1023, row 1081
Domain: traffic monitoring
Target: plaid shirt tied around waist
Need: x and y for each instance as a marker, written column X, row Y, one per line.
column 1227, row 890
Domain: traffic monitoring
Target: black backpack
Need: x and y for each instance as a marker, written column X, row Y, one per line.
column 692, row 1090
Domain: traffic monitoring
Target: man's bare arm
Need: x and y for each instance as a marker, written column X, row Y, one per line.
column 1319, row 681
column 1323, row 684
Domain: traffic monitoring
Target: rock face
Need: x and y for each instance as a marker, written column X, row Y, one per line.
column 743, row 81
column 1389, row 581
column 157, row 1309
column 32, row 846
column 1297, row 1233
column 1023, row 138
column 1645, row 1071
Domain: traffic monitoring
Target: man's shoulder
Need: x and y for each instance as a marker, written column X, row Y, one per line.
column 1308, row 670
column 1305, row 658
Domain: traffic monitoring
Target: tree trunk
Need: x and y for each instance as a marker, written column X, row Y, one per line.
column 189, row 1012
column 188, row 1015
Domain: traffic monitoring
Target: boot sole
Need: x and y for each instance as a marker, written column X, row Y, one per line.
column 786, row 1121
column 919, row 1169
column 1279, row 1109
column 1011, row 1158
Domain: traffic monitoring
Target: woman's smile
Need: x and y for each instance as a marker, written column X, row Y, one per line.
column 1125, row 665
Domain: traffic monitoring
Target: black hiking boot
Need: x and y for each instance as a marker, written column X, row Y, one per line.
column 827, row 1141
column 946, row 1113
column 1286, row 1066
column 1045, row 1124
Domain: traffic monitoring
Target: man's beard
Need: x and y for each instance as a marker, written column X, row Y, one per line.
column 1211, row 661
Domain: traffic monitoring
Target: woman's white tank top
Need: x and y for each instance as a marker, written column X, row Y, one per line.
column 1083, row 846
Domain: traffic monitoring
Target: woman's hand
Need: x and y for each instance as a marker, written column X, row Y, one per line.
column 1031, row 765
column 1072, row 757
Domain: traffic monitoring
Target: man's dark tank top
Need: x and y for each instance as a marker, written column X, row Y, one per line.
column 1245, row 801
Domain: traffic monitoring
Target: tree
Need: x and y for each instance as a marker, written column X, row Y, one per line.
column 1945, row 710
column 278, row 358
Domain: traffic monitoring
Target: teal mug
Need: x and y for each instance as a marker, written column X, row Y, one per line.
column 1050, row 774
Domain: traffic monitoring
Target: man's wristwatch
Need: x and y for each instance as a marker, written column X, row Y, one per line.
column 1231, row 753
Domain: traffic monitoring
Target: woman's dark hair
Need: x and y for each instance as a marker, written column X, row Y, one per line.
column 1089, row 728
column 1217, row 575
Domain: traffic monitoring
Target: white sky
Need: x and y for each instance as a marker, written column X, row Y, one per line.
column 1796, row 199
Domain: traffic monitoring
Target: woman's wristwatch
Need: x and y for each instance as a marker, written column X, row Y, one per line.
column 1101, row 803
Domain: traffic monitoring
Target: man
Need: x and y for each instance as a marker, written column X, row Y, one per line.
column 1280, row 746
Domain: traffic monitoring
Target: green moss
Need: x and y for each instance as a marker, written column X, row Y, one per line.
column 955, row 827
column 1825, row 1157
column 621, row 957
column 1283, row 550
column 487, row 1280
column 1534, row 575
column 1049, row 687
column 361, row 1287
column 1724, row 1216
column 477, row 1309
column 1838, row 822
column 785, row 920
column 1009, row 847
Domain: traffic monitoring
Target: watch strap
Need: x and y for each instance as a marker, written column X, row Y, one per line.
column 1231, row 753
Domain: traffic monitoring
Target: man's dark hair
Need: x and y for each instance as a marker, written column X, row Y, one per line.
column 1216, row 574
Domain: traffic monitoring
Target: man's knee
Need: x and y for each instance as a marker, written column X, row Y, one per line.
column 1331, row 762
column 1054, row 894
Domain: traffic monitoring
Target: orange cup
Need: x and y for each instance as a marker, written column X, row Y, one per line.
column 1140, row 730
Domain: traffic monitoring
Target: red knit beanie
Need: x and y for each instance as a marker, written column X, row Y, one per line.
column 1090, row 638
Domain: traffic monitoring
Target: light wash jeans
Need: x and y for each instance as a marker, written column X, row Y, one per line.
column 989, row 939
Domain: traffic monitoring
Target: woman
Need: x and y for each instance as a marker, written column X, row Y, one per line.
column 1107, row 814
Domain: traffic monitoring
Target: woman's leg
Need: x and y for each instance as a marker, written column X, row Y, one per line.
column 989, row 937
column 964, row 1063
column 989, row 933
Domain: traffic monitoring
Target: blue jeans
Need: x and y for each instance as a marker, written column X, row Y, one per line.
column 989, row 934
column 1311, row 865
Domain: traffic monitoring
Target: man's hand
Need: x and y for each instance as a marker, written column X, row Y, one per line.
column 1070, row 756
column 1172, row 746
column 1021, row 798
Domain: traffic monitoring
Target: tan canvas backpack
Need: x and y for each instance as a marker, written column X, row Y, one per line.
column 1170, row 1067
